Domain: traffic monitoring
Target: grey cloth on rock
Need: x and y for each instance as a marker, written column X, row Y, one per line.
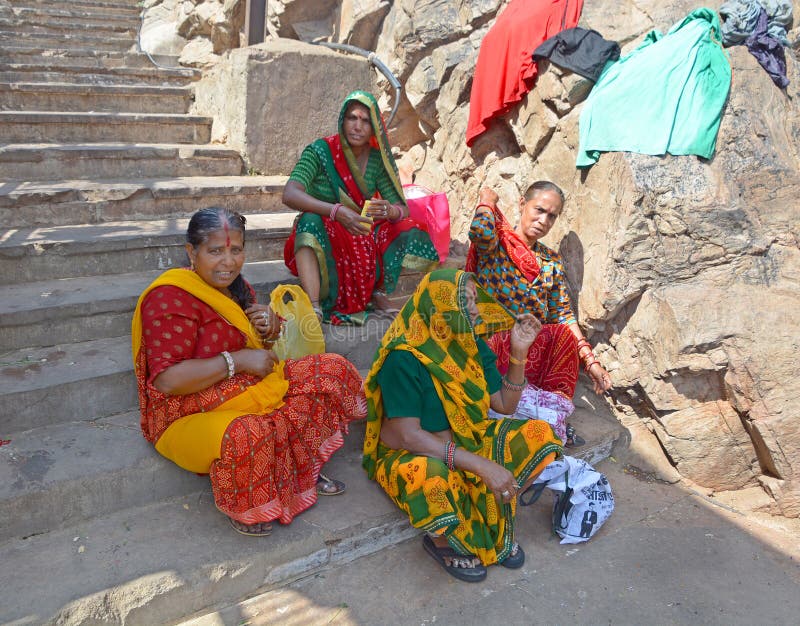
column 740, row 17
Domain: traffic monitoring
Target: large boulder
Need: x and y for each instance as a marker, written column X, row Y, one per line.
column 269, row 101
column 684, row 272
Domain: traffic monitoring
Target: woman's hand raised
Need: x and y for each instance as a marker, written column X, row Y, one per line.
column 524, row 333
column 353, row 222
column 256, row 362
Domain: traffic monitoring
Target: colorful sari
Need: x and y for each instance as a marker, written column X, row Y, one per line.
column 352, row 267
column 435, row 327
column 531, row 280
column 263, row 441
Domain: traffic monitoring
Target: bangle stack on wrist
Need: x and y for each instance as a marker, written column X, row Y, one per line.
column 229, row 363
column 335, row 210
column 450, row 455
column 518, row 387
column 589, row 358
column 399, row 217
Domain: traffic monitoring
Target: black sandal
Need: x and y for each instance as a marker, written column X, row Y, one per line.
column 574, row 440
column 515, row 558
column 329, row 486
column 455, row 564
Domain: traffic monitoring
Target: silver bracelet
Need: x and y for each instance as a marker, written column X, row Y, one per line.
column 229, row 362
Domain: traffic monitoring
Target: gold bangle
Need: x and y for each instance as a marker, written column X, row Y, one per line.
column 511, row 359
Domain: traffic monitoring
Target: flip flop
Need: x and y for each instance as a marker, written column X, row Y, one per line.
column 467, row 574
column 514, row 560
column 324, row 484
column 249, row 533
column 574, row 440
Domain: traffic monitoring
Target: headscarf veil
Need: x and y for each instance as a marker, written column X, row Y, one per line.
column 435, row 326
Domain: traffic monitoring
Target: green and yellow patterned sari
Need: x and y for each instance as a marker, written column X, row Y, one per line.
column 435, row 327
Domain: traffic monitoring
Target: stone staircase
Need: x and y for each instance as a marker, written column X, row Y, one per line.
column 100, row 167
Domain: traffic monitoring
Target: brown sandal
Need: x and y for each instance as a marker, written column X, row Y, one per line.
column 249, row 529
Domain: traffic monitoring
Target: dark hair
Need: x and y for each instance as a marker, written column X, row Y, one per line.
column 210, row 220
column 543, row 185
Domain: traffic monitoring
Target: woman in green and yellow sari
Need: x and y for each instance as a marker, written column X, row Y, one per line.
column 429, row 443
column 348, row 263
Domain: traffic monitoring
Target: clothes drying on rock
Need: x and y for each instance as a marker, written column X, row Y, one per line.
column 505, row 70
column 740, row 18
column 579, row 50
column 768, row 51
column 666, row 96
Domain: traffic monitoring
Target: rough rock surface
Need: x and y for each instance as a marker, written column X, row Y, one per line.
column 684, row 272
column 198, row 32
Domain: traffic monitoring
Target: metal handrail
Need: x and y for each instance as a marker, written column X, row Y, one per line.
column 141, row 49
column 376, row 62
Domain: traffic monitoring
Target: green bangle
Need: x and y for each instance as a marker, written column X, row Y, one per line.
column 513, row 386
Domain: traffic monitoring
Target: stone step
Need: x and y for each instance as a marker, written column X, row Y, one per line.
column 36, row 204
column 53, row 162
column 54, row 73
column 67, row 473
column 74, row 310
column 66, row 41
column 66, row 15
column 156, row 563
column 58, row 127
column 119, row 247
column 126, row 6
column 142, row 564
column 55, row 56
column 69, row 382
column 33, row 96
column 9, row 24
column 87, row 380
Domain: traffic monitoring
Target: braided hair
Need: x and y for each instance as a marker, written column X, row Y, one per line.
column 212, row 219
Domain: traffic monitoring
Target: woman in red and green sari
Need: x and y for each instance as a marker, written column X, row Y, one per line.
column 216, row 400
column 429, row 444
column 348, row 263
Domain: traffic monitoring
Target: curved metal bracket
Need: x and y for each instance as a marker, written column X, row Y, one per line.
column 377, row 63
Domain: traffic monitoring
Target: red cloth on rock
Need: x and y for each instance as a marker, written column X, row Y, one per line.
column 505, row 70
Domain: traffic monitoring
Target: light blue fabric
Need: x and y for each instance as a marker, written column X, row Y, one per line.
column 664, row 97
column 739, row 19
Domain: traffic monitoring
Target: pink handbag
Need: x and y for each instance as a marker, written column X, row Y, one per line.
column 431, row 212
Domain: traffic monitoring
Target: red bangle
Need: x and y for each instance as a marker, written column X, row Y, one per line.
column 582, row 343
column 588, row 364
column 488, row 206
column 399, row 217
column 335, row 210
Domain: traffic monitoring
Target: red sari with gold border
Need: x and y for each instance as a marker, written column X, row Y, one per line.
column 263, row 441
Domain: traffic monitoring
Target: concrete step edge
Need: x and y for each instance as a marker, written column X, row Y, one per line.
column 36, row 152
column 54, row 192
column 55, row 87
column 79, row 117
column 183, row 72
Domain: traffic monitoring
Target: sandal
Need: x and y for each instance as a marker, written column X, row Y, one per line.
column 461, row 566
column 515, row 558
column 574, row 440
column 329, row 486
column 251, row 530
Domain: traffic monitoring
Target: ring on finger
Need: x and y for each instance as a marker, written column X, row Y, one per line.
column 506, row 493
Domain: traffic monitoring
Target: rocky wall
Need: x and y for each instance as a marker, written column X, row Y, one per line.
column 684, row 272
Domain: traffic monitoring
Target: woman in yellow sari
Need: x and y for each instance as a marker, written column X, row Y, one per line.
column 429, row 443
column 215, row 399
